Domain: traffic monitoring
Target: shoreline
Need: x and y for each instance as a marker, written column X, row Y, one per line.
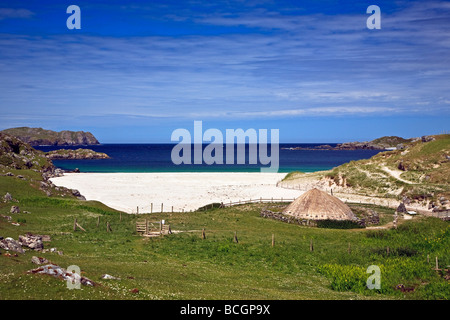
column 185, row 191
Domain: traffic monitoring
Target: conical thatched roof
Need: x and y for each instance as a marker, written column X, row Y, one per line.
column 318, row 205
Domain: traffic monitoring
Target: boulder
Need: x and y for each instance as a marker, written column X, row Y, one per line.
column 427, row 138
column 15, row 209
column 76, row 193
column 7, row 197
column 38, row 260
column 401, row 208
column 33, row 242
column 109, row 277
column 58, row 272
column 11, row 245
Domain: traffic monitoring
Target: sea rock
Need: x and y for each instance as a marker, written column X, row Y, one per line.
column 11, row 245
column 79, row 154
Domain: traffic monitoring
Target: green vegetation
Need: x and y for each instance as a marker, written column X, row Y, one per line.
column 292, row 175
column 75, row 154
column 39, row 136
column 389, row 141
column 304, row 263
column 185, row 266
column 420, row 171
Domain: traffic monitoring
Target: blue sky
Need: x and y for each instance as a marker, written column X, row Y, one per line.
column 137, row 70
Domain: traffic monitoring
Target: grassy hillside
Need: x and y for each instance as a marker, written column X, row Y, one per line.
column 185, row 266
column 420, row 171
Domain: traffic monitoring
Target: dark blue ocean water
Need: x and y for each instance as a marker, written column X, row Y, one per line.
column 157, row 158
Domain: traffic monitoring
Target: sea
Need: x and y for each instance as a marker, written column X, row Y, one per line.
column 157, row 157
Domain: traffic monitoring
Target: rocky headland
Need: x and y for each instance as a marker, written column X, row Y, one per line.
column 41, row 137
column 383, row 143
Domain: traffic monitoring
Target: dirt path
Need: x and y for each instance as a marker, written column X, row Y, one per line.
column 396, row 174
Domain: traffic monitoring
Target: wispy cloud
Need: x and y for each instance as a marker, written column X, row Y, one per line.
column 8, row 13
column 265, row 63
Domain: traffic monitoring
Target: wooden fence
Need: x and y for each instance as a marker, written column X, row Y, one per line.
column 260, row 200
column 147, row 228
column 444, row 215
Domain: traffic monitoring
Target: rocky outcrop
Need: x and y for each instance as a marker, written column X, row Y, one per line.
column 382, row 143
column 10, row 244
column 39, row 137
column 31, row 241
column 61, row 273
column 16, row 154
column 15, row 209
column 78, row 154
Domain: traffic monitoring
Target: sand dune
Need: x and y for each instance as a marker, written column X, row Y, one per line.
column 187, row 190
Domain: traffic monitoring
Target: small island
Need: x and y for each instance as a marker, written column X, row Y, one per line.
column 78, row 154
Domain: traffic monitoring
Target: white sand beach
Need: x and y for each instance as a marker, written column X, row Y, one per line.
column 186, row 190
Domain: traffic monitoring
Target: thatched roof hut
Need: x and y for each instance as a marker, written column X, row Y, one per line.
column 318, row 205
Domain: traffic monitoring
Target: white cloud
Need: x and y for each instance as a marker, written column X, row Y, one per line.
column 312, row 65
column 9, row 13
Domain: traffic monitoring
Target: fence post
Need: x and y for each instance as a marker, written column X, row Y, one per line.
column 235, row 237
column 151, row 208
column 162, row 206
column 203, row 234
column 137, row 209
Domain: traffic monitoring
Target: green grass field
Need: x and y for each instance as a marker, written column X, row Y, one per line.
column 185, row 266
